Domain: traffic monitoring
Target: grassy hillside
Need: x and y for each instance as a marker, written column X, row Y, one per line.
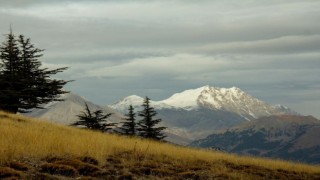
column 35, row 149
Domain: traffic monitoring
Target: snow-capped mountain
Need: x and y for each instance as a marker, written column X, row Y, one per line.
column 227, row 99
column 237, row 101
column 199, row 112
column 66, row 111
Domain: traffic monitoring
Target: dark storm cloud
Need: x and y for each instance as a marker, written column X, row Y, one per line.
column 269, row 48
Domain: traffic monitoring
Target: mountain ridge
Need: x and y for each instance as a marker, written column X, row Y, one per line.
column 227, row 99
column 287, row 137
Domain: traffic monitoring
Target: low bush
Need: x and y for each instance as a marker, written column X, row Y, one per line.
column 6, row 172
column 60, row 169
column 18, row 166
column 83, row 168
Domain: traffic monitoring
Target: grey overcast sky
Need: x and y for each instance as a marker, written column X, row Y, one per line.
column 116, row 48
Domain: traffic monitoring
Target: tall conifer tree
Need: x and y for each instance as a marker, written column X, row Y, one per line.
column 129, row 125
column 23, row 83
column 9, row 69
column 148, row 125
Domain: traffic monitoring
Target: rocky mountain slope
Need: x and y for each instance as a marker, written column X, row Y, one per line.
column 284, row 136
column 65, row 112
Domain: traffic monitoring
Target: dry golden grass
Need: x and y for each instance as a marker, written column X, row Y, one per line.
column 35, row 140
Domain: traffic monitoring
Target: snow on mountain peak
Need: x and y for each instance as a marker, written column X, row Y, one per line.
column 190, row 99
column 227, row 99
column 285, row 109
column 280, row 106
column 133, row 100
column 186, row 99
column 219, row 98
column 136, row 101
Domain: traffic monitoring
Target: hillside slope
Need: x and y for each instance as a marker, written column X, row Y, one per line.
column 33, row 149
column 286, row 137
column 66, row 111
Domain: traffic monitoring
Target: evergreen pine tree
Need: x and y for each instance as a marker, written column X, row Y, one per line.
column 129, row 126
column 9, row 81
column 94, row 120
column 23, row 83
column 147, row 125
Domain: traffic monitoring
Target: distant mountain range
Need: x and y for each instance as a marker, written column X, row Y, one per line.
column 283, row 136
column 189, row 115
column 199, row 112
